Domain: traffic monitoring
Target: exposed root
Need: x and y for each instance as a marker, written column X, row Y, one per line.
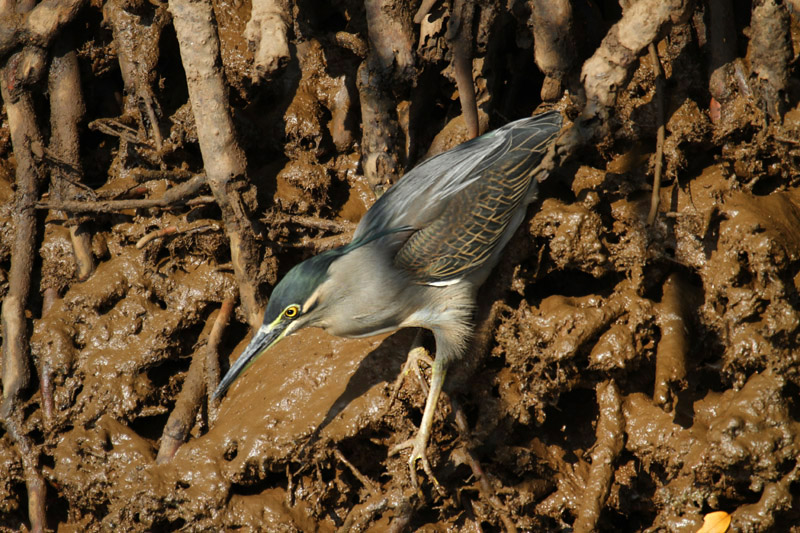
column 112, row 206
column 182, row 194
column 610, row 438
column 212, row 355
column 391, row 40
column 39, row 26
column 424, row 8
column 182, row 418
column 45, row 370
column 137, row 32
column 381, row 132
column 34, row 482
column 266, row 33
column 674, row 344
column 24, row 70
column 770, row 53
column 223, row 158
column 554, row 48
column 459, row 37
column 722, row 49
column 16, row 349
column 390, row 61
column 604, row 74
column 66, row 111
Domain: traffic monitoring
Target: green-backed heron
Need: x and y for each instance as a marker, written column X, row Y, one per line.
column 418, row 256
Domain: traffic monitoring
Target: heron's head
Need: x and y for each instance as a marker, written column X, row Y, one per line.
column 296, row 302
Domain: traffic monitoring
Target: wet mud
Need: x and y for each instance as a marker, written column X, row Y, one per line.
column 636, row 377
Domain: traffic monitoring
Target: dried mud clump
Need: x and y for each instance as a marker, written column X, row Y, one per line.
column 635, row 360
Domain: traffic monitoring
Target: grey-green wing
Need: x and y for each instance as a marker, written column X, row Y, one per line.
column 476, row 218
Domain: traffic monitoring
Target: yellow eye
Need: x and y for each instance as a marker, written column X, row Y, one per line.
column 291, row 311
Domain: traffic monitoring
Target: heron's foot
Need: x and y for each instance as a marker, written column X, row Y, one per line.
column 415, row 356
column 418, row 447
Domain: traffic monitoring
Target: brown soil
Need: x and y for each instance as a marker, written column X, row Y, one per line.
column 673, row 348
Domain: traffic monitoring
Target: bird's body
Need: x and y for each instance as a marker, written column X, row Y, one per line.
column 418, row 255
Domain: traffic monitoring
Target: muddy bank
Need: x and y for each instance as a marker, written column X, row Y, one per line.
column 628, row 376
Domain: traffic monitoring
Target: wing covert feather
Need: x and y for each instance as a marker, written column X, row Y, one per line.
column 462, row 201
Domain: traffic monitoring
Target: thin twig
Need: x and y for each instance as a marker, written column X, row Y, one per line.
column 659, row 97
column 115, row 128
column 174, row 230
column 175, row 196
column 141, row 175
column 486, row 490
column 364, row 480
column 276, row 217
column 361, row 515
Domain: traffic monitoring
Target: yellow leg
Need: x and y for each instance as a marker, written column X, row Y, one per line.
column 415, row 355
column 419, row 444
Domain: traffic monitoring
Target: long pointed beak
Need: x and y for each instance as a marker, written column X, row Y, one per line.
column 266, row 337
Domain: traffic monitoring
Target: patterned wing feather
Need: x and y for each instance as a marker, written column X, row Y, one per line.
column 476, row 218
column 421, row 196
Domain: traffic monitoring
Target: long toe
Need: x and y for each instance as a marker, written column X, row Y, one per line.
column 397, row 448
column 412, row 363
column 419, row 455
column 416, row 355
